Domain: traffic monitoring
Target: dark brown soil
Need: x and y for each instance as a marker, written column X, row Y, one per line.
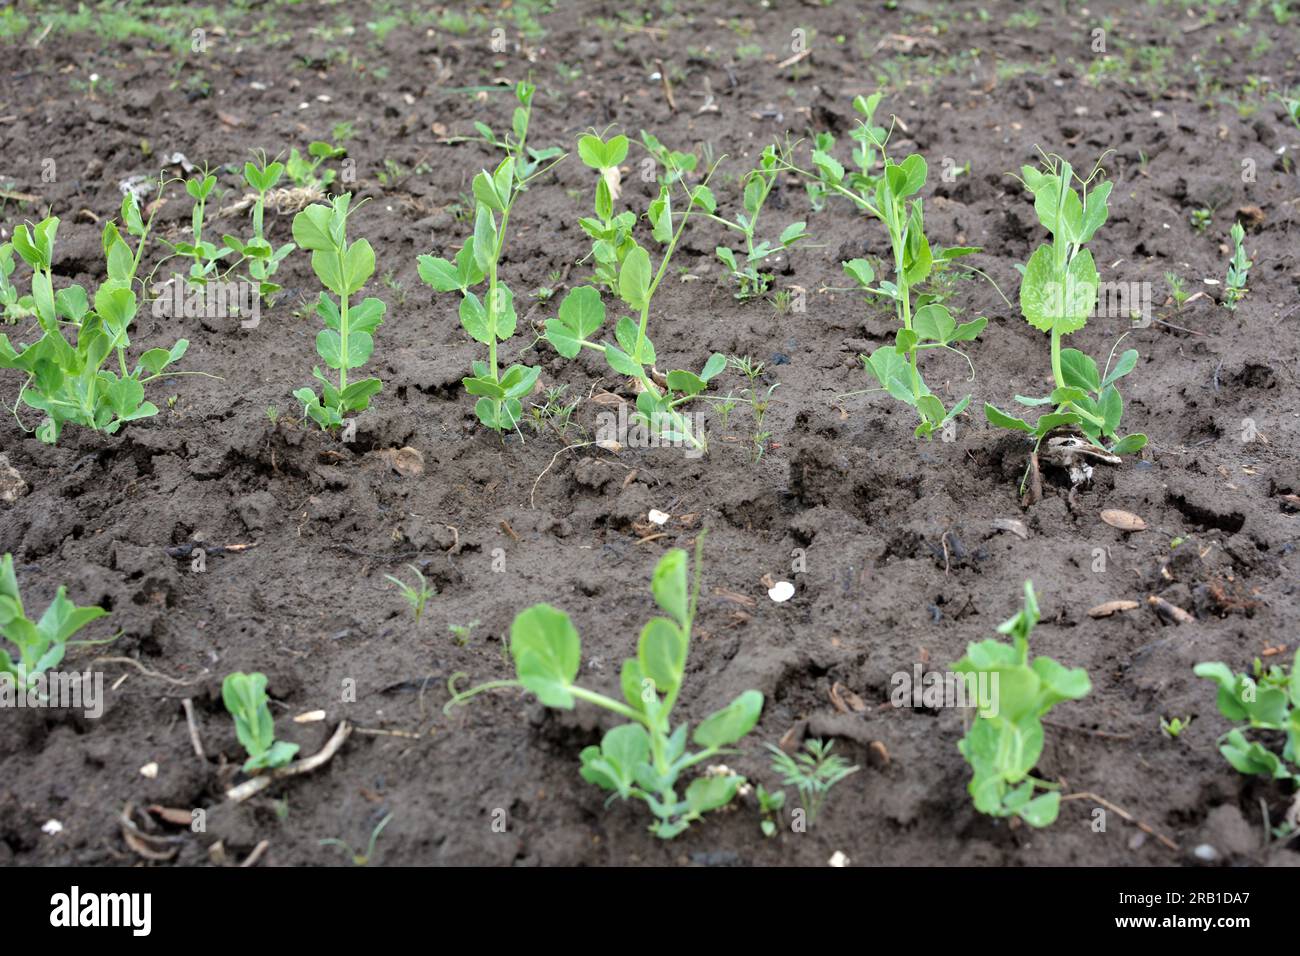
column 902, row 561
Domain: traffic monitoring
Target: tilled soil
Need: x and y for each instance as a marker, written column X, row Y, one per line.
column 890, row 541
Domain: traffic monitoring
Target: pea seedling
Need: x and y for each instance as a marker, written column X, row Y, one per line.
column 1173, row 727
column 582, row 313
column 205, row 256
column 264, row 259
column 644, row 758
column 301, row 170
column 67, row 382
column 757, row 186
column 812, row 772
column 492, row 320
column 611, row 234
column 769, row 808
column 13, row 306
column 1003, row 747
column 347, row 341
column 1238, row 269
column 245, row 698
column 41, row 643
column 925, row 324
column 1058, row 292
column 1268, row 701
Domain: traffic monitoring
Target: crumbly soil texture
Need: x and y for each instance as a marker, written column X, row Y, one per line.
column 901, row 551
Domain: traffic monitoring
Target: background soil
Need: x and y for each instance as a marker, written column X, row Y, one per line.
column 902, row 561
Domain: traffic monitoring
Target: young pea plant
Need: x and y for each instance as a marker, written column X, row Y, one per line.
column 673, row 165
column 1268, row 701
column 757, row 186
column 264, row 259
column 1238, row 269
column 493, row 320
column 812, row 772
column 582, row 313
column 205, row 256
column 924, row 322
column 302, row 170
column 1003, row 744
column 1173, row 727
column 416, row 597
column 245, row 698
column 347, row 340
column 41, row 643
column 69, row 382
column 644, row 758
column 1058, row 291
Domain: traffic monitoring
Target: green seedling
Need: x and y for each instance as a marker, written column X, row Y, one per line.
column 756, row 187
column 462, row 632
column 264, row 259
column 757, row 399
column 347, row 340
column 812, row 771
column 1174, row 727
column 555, row 413
column 582, row 313
column 1002, row 747
column 770, row 806
column 1268, row 701
column 493, row 320
column 205, row 257
column 416, row 597
column 302, row 170
column 925, row 323
column 1177, row 290
column 67, row 381
column 245, row 698
column 41, row 643
column 644, row 758
column 674, row 166
column 360, row 859
column 1238, row 269
column 1201, row 219
column 1058, row 291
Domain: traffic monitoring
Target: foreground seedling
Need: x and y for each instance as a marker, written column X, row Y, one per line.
column 68, row 381
column 812, row 771
column 1238, row 269
column 492, row 320
column 347, row 340
column 263, row 258
column 42, row 643
column 1003, row 747
column 624, row 265
column 1270, row 700
column 645, row 758
column 245, row 698
column 1058, row 292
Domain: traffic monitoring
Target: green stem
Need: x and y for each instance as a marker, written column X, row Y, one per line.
column 343, row 330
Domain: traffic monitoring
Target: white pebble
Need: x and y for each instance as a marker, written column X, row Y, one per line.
column 781, row 591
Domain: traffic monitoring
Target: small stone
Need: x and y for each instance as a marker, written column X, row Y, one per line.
column 149, row 770
column 838, row 859
column 1206, row 853
column 781, row 591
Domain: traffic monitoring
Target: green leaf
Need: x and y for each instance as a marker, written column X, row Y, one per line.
column 670, row 587
column 474, row 319
column 1001, row 419
column 439, row 273
column 934, row 322
column 728, row 725
column 485, row 191
column 1042, row 810
column 661, row 653
column 860, row 270
column 1079, row 370
column 358, row 266
column 634, row 278
column 547, row 653
column 311, row 228
column 1127, row 362
column 709, row 793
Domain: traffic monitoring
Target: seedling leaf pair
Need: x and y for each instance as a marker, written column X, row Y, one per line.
column 42, row 643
